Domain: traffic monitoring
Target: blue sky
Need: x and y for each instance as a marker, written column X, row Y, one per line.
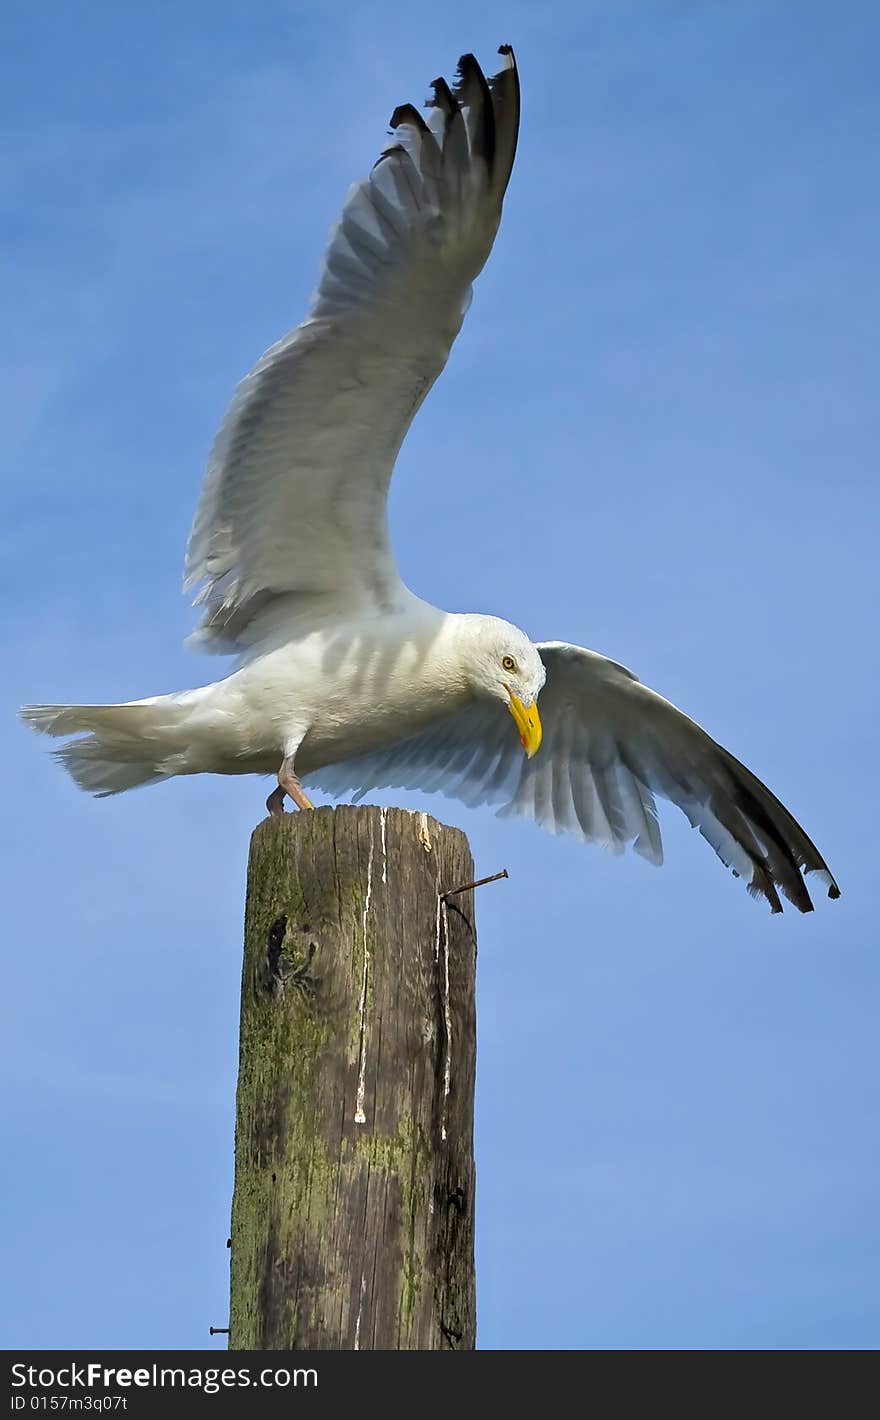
column 657, row 436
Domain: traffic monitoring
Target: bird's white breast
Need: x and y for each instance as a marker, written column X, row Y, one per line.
column 343, row 690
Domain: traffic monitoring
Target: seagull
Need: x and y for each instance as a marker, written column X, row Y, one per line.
column 345, row 679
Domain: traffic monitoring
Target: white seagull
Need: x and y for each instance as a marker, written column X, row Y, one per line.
column 345, row 678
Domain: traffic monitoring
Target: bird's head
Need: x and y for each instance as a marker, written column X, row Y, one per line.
column 504, row 665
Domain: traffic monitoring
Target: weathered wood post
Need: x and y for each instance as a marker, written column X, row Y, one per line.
column 353, row 1211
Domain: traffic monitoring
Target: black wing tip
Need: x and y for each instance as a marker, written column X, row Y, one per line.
column 764, row 884
column 470, row 81
column 407, row 113
column 508, row 74
column 469, row 70
column 469, row 64
column 830, row 884
column 821, row 867
column 443, row 97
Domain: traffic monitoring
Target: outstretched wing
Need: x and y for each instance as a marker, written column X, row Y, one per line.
column 610, row 744
column 293, row 508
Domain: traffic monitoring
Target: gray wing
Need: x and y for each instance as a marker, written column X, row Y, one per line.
column 293, row 509
column 610, row 745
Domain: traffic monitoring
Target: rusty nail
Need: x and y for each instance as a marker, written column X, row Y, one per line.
column 453, row 892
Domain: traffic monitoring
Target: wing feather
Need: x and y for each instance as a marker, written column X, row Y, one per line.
column 292, row 516
column 610, row 745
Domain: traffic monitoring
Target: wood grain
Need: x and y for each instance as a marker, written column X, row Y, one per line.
column 353, row 1211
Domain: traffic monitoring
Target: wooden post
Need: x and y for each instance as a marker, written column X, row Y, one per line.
column 353, row 1211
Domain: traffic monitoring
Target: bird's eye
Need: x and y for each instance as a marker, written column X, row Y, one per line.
column 509, row 663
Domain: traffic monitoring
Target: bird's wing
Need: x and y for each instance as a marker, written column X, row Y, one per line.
column 292, row 512
column 610, row 744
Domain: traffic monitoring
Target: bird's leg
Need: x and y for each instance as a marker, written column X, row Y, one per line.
column 275, row 801
column 288, row 783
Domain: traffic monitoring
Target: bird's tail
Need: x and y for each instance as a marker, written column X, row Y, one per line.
column 120, row 746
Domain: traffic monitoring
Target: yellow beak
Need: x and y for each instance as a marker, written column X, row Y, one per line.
column 528, row 722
